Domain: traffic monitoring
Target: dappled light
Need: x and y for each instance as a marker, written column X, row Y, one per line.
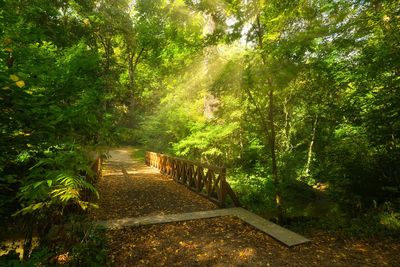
column 282, row 114
column 13, row 243
column 196, row 80
column 245, row 253
column 229, row 242
column 144, row 192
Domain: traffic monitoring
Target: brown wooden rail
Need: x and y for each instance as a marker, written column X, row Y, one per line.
column 208, row 181
column 86, row 194
column 96, row 166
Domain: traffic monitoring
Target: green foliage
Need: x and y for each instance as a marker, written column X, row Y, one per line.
column 254, row 193
column 56, row 181
column 91, row 250
column 139, row 154
column 80, row 245
column 235, row 83
column 378, row 222
column 333, row 72
column 208, row 142
column 60, row 97
column 39, row 257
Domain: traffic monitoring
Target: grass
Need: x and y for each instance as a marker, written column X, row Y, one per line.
column 138, row 154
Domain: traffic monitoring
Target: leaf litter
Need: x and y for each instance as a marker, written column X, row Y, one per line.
column 131, row 189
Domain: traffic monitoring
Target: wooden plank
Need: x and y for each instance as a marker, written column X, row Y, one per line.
column 277, row 232
column 157, row 219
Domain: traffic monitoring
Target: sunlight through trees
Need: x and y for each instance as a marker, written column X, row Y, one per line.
column 298, row 99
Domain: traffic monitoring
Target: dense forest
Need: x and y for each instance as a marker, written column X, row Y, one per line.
column 298, row 99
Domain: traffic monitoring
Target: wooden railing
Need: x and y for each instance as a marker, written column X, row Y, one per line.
column 96, row 166
column 208, row 181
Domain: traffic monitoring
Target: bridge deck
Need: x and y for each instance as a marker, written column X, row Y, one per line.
column 279, row 233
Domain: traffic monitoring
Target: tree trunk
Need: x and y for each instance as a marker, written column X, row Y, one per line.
column 274, row 166
column 271, row 135
column 131, row 56
column 132, row 65
column 106, row 42
column 287, row 125
column 310, row 148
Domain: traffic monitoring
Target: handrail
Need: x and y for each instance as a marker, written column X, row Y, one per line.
column 93, row 177
column 206, row 180
column 96, row 166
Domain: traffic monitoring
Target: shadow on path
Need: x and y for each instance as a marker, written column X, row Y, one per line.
column 129, row 188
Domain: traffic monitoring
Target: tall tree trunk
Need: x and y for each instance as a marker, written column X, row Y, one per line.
column 310, row 148
column 133, row 61
column 131, row 56
column 274, row 166
column 106, row 42
column 271, row 135
column 287, row 125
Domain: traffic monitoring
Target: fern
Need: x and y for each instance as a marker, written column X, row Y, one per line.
column 55, row 182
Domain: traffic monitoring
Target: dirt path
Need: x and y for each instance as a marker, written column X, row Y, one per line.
column 129, row 188
column 228, row 241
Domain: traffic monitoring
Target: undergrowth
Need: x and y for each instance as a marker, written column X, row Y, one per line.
column 76, row 242
column 308, row 209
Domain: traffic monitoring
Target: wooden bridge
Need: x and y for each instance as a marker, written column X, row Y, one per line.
column 208, row 181
column 205, row 180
